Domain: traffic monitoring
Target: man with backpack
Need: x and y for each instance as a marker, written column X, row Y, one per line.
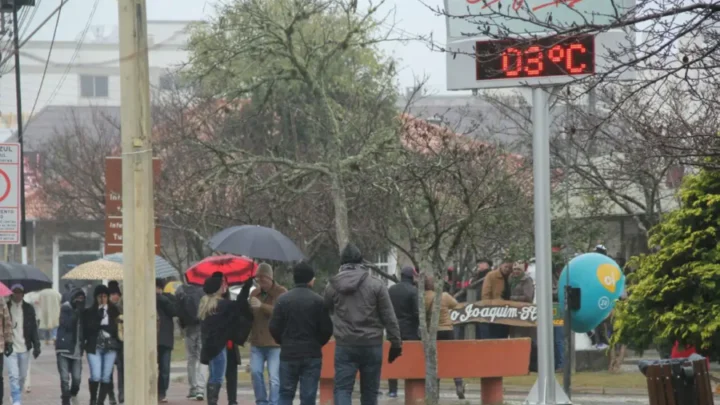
column 188, row 299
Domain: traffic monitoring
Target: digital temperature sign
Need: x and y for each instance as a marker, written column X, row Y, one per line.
column 542, row 57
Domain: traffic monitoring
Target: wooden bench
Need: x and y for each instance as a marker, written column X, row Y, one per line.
column 488, row 360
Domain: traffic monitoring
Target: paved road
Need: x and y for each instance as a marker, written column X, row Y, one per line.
column 46, row 390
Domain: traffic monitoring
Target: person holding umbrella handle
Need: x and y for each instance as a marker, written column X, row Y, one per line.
column 221, row 320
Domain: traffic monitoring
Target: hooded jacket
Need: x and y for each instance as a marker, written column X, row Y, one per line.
column 404, row 298
column 360, row 305
column 70, row 318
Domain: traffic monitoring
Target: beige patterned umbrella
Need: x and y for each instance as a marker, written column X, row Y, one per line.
column 96, row 270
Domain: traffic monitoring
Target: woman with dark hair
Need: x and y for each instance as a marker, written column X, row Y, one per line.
column 445, row 324
column 221, row 320
column 100, row 333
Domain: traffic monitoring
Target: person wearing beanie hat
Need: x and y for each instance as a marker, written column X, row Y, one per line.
column 165, row 306
column 116, row 298
column 100, row 333
column 404, row 298
column 221, row 320
column 361, row 310
column 263, row 347
column 301, row 325
column 350, row 255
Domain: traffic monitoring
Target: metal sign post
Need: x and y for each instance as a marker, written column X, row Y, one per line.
column 546, row 391
column 494, row 44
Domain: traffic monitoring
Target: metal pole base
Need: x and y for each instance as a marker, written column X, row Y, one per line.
column 561, row 398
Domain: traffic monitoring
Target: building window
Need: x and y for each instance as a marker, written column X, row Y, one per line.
column 93, row 86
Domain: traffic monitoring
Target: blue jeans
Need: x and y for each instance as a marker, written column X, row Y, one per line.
column 17, row 366
column 559, row 342
column 101, row 365
column 349, row 360
column 304, row 371
column 258, row 357
column 216, row 368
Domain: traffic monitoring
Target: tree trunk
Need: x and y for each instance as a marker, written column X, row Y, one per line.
column 342, row 226
column 429, row 339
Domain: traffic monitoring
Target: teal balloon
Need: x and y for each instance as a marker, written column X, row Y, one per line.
column 601, row 282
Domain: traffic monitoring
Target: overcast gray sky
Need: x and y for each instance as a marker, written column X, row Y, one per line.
column 411, row 18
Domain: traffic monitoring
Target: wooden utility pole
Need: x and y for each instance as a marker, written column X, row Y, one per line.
column 138, row 210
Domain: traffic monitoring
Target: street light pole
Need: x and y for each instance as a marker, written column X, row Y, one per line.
column 18, row 101
column 138, row 210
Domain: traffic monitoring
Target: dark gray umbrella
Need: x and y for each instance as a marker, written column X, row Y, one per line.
column 257, row 242
column 31, row 278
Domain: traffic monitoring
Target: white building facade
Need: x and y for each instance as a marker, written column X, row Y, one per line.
column 86, row 73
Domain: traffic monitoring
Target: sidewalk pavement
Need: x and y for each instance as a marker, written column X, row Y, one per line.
column 45, row 389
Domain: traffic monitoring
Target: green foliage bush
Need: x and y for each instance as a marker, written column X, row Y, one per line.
column 674, row 292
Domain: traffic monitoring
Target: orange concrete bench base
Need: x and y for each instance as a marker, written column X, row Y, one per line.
column 488, row 360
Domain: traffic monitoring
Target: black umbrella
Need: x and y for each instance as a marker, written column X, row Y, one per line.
column 31, row 278
column 257, row 242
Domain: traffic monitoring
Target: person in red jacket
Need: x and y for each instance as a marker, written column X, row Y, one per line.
column 685, row 351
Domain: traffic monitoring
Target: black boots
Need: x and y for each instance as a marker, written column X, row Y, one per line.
column 111, row 394
column 104, row 391
column 213, row 393
column 93, row 386
column 65, row 399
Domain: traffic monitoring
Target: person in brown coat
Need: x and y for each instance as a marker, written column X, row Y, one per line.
column 497, row 287
column 263, row 348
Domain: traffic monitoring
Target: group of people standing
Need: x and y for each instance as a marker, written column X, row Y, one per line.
column 287, row 330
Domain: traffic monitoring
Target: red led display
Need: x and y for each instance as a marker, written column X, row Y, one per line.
column 543, row 57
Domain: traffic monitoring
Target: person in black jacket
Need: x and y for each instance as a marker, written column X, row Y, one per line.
column 166, row 310
column 221, row 321
column 301, row 325
column 100, row 333
column 69, row 345
column 25, row 339
column 404, row 297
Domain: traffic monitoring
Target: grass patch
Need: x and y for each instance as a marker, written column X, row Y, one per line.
column 600, row 379
column 179, row 354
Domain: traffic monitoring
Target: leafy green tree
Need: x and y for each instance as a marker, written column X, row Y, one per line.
column 674, row 292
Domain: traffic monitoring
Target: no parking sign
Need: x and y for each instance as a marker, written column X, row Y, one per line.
column 10, row 161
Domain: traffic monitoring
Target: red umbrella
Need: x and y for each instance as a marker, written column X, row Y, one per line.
column 237, row 269
column 4, row 290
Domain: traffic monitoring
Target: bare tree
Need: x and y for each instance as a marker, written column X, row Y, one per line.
column 444, row 187
column 606, row 163
column 72, row 184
